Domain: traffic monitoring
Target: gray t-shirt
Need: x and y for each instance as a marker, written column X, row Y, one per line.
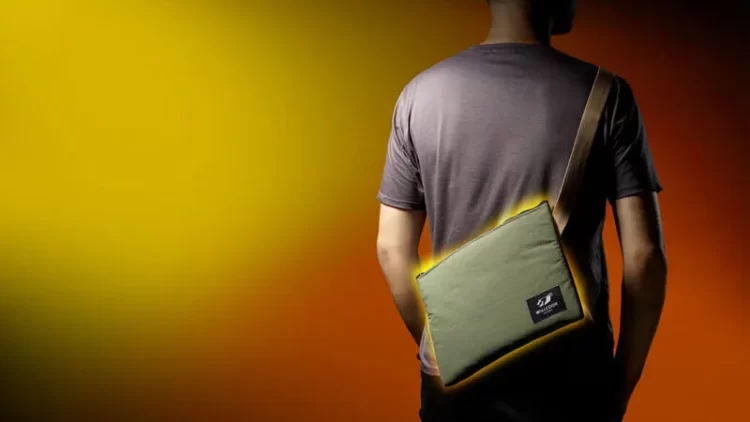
column 492, row 126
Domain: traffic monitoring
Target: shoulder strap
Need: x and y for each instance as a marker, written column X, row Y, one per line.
column 573, row 177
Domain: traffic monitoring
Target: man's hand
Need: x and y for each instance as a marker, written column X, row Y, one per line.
column 398, row 254
column 643, row 286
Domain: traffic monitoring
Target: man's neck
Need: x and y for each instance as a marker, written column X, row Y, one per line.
column 512, row 23
column 504, row 36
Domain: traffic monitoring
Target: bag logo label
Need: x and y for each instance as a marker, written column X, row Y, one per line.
column 546, row 304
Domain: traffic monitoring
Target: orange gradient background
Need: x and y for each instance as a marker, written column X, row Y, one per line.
column 188, row 212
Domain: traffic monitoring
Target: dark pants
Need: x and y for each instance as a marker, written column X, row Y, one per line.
column 485, row 406
column 569, row 384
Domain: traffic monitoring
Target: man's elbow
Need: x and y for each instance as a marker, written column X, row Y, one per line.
column 388, row 252
column 645, row 269
column 383, row 253
column 392, row 254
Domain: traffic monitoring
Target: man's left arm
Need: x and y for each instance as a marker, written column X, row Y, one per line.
column 398, row 254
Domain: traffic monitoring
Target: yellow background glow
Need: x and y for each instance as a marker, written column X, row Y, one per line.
column 188, row 213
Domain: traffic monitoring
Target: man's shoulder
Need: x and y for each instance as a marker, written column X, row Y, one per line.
column 621, row 95
column 438, row 73
column 620, row 85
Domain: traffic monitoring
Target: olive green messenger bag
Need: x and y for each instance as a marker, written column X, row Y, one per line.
column 510, row 288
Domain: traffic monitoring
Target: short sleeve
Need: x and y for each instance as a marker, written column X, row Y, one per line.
column 401, row 184
column 633, row 169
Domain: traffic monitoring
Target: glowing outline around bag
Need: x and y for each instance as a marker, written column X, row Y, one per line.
column 578, row 279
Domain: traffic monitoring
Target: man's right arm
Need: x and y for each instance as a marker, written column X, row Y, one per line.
column 643, row 286
column 632, row 192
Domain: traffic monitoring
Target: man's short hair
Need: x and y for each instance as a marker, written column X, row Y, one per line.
column 562, row 12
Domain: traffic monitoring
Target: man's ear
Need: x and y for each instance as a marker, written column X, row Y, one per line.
column 563, row 14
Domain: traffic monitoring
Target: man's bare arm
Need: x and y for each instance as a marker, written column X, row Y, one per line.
column 643, row 285
column 398, row 253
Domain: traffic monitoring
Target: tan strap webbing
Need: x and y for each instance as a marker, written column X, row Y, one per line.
column 573, row 178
